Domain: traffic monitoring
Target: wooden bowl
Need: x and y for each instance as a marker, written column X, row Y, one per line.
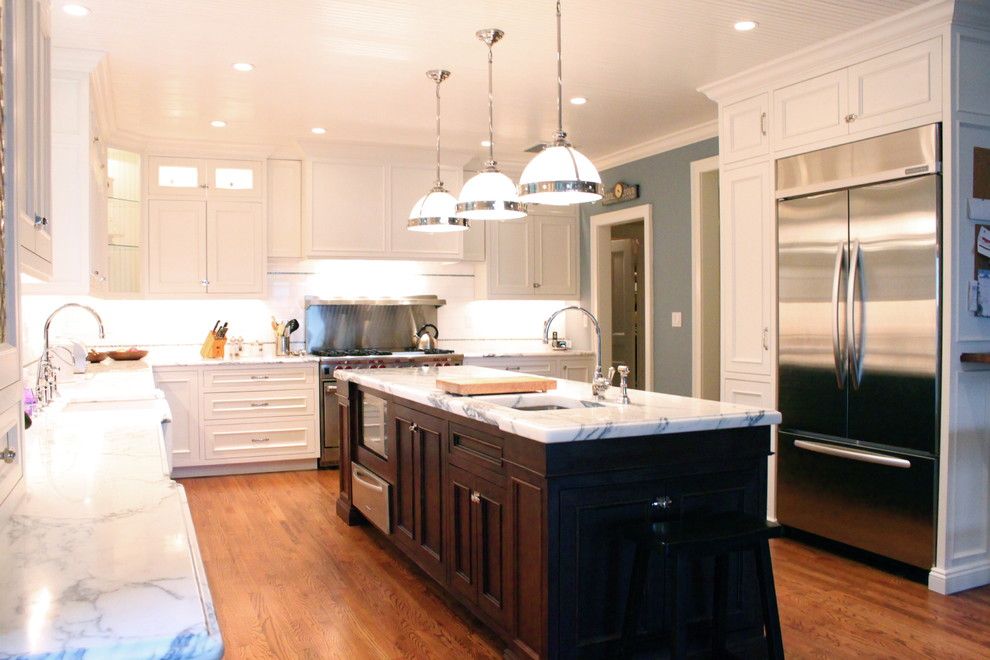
column 95, row 357
column 129, row 354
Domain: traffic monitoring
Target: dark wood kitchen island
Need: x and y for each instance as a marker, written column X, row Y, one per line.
column 519, row 511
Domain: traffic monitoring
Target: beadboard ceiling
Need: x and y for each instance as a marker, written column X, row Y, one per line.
column 356, row 67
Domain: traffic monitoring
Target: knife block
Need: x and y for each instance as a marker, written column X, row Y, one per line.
column 213, row 348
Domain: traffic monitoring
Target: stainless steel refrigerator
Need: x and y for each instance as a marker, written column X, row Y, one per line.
column 858, row 313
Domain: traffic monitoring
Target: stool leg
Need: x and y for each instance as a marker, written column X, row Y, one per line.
column 678, row 584
column 634, row 601
column 768, row 596
column 721, row 607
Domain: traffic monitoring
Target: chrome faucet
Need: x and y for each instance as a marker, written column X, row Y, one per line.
column 599, row 383
column 46, row 384
column 623, row 382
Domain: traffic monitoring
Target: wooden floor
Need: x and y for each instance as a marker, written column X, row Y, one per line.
column 291, row 580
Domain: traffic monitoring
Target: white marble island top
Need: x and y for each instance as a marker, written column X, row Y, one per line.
column 99, row 554
column 649, row 413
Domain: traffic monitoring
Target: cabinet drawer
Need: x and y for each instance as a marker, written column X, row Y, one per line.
column 294, row 437
column 478, row 453
column 262, row 378
column 274, row 403
column 527, row 365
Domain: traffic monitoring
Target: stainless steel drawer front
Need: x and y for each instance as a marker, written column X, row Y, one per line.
column 370, row 494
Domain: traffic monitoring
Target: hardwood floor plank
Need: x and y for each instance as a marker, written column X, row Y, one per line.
column 291, row 580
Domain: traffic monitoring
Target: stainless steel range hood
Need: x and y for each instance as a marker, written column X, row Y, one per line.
column 384, row 323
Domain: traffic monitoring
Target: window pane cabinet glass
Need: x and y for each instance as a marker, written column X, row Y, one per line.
column 181, row 178
column 123, row 221
column 230, row 178
column 234, row 180
column 176, row 176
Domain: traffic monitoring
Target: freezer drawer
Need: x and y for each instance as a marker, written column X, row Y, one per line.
column 370, row 494
column 878, row 501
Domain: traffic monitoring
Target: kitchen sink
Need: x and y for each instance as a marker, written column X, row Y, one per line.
column 536, row 402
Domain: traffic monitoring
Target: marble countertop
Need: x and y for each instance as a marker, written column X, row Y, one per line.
column 526, row 353
column 100, row 558
column 649, row 413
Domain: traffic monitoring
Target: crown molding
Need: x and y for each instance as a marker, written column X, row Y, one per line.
column 796, row 66
column 659, row 145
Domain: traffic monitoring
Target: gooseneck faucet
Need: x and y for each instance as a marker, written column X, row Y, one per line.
column 599, row 384
column 45, row 383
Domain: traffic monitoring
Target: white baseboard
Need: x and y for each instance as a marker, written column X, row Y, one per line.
column 961, row 578
column 243, row 468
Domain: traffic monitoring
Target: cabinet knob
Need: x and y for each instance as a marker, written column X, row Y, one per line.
column 476, row 497
column 8, row 455
column 536, row 285
column 204, row 282
column 663, row 503
column 766, row 339
column 204, row 186
column 413, row 427
column 851, row 118
column 763, row 123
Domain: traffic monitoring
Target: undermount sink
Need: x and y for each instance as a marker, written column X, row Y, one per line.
column 536, row 402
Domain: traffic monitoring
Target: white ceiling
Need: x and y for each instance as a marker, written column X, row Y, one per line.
column 357, row 67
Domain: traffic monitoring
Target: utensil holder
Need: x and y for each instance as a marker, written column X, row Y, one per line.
column 213, row 348
column 282, row 345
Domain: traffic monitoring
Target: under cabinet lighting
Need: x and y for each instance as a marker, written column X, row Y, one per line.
column 75, row 10
column 746, row 26
column 218, row 123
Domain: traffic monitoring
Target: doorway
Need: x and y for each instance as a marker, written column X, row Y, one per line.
column 706, row 326
column 622, row 289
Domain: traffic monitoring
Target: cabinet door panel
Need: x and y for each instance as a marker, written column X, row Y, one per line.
column 235, row 240
column 743, row 129
column 510, row 261
column 810, row 110
column 176, row 246
column 555, row 248
column 285, row 208
column 182, row 178
column 408, row 184
column 747, row 239
column 235, row 179
column 900, row 85
column 10, row 439
column 491, row 551
column 181, row 389
column 289, row 437
column 462, row 578
column 404, row 525
column 347, row 209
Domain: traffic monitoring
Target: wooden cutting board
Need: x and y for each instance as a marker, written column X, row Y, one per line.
column 495, row 384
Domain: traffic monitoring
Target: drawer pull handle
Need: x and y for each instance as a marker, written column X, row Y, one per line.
column 260, row 439
column 265, row 377
column 853, row 454
column 259, row 404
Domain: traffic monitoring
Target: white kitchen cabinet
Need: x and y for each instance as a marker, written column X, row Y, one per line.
column 747, row 243
column 811, row 110
column 234, row 180
column 346, row 215
column 32, row 141
column 176, row 178
column 895, row 87
column 253, row 378
column 285, row 208
column 407, row 184
column 182, row 434
column 235, row 247
column 552, row 366
column 474, row 242
column 270, row 439
column 536, row 257
column 582, row 369
column 744, row 129
column 12, row 463
column 751, row 393
column 177, row 246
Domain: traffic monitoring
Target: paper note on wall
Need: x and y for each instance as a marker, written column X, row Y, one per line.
column 983, row 242
column 983, row 293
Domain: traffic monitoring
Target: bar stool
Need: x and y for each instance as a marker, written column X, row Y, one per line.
column 683, row 541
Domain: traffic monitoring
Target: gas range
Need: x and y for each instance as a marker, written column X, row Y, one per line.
column 371, row 358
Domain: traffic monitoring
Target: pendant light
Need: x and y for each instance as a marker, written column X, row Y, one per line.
column 436, row 211
column 560, row 175
column 489, row 194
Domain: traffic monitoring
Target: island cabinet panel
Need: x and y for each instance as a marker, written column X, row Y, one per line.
column 418, row 494
column 527, row 567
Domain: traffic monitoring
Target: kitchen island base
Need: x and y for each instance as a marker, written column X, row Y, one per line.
column 530, row 536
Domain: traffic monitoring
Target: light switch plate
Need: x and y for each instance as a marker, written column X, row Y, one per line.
column 675, row 319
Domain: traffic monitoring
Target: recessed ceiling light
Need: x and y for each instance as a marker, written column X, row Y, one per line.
column 319, row 130
column 746, row 26
column 486, row 143
column 243, row 66
column 578, row 100
column 218, row 123
column 75, row 10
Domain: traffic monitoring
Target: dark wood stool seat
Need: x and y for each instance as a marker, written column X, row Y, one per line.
column 683, row 541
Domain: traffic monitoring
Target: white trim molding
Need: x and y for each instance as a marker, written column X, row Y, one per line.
column 602, row 221
column 659, row 145
column 960, row 578
column 698, row 168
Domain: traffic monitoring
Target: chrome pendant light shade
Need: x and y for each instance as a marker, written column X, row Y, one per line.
column 560, row 175
column 490, row 195
column 436, row 211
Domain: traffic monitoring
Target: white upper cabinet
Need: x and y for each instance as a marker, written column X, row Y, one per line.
column 744, row 129
column 810, row 110
column 285, row 208
column 177, row 246
column 176, row 177
column 747, row 245
column 347, row 209
column 536, row 257
column 235, row 247
column 234, row 180
column 898, row 86
column 408, row 184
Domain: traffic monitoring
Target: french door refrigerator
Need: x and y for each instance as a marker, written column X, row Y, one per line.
column 858, row 313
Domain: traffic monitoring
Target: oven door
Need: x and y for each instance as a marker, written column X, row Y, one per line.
column 373, row 447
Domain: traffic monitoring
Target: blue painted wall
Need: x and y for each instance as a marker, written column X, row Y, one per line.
column 665, row 182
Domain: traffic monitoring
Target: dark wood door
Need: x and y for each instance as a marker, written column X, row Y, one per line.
column 477, row 543
column 418, row 500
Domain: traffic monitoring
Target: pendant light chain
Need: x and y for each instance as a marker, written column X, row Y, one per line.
column 437, row 183
column 491, row 112
column 560, row 84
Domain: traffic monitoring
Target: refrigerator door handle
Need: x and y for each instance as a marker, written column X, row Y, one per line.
column 853, row 454
column 839, row 353
column 855, row 348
